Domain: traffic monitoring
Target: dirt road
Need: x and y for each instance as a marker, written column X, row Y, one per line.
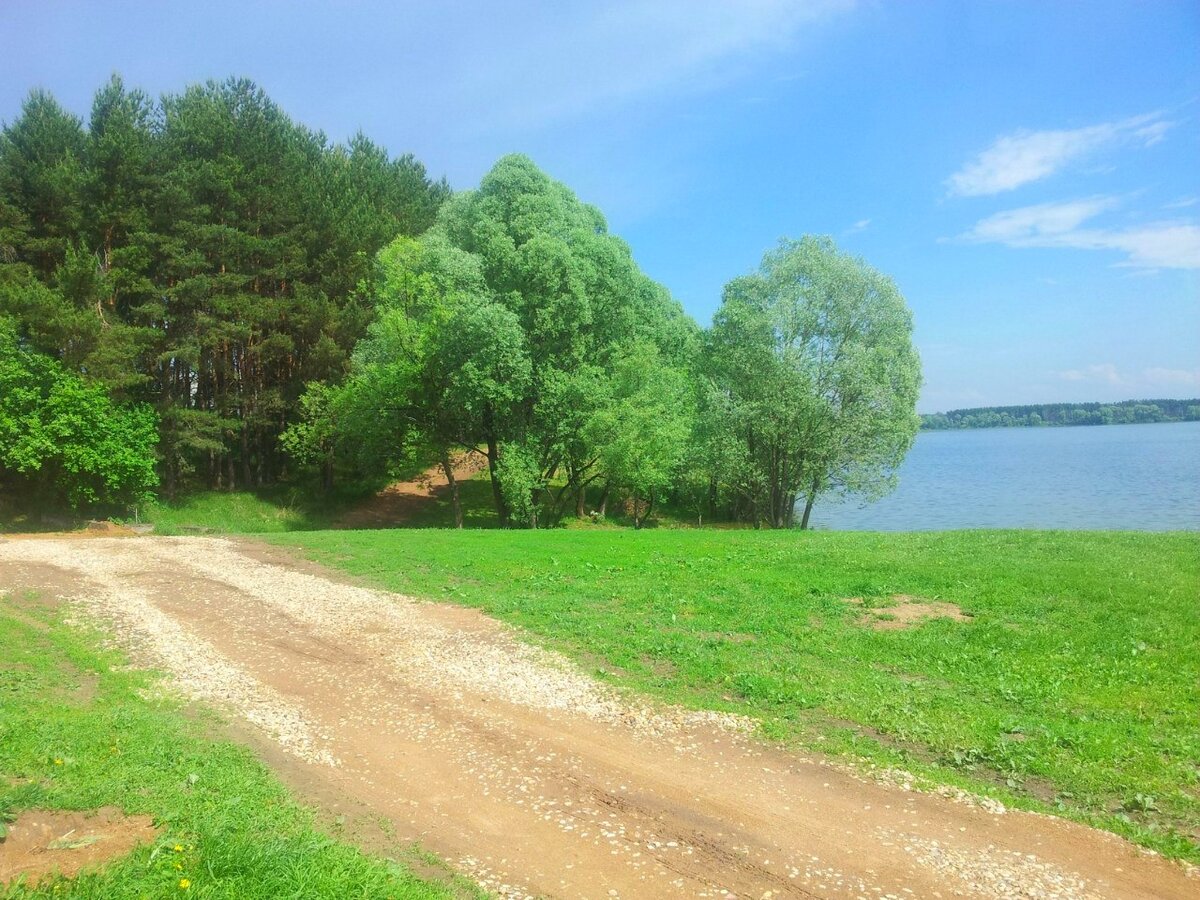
column 526, row 774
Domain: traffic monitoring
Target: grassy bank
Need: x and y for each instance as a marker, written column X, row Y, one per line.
column 78, row 732
column 1073, row 687
column 283, row 509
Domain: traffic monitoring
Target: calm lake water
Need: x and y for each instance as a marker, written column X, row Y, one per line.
column 1143, row 477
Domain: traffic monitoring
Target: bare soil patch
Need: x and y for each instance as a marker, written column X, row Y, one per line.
column 906, row 611
column 109, row 529
column 401, row 501
column 43, row 842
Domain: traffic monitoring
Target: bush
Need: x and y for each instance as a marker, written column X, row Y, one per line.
column 63, row 441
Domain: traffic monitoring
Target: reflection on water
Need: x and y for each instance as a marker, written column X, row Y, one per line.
column 1144, row 477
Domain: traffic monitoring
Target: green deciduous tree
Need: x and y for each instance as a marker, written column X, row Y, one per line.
column 501, row 329
column 642, row 436
column 63, row 439
column 816, row 381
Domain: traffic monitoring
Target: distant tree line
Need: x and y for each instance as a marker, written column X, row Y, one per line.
column 1126, row 412
column 232, row 300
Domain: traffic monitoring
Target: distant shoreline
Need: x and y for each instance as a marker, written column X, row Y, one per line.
column 1063, row 415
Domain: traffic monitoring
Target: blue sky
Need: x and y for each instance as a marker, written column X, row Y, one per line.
column 1028, row 172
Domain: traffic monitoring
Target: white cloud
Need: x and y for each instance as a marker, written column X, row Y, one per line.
column 1182, row 203
column 1159, row 375
column 590, row 55
column 1025, row 156
column 1030, row 225
column 1153, row 245
column 1104, row 372
column 1155, row 376
column 1162, row 245
column 860, row 225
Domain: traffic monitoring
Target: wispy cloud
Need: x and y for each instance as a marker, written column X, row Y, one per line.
column 1182, row 377
column 1152, row 245
column 1182, row 203
column 1029, row 226
column 1026, row 156
column 1103, row 372
column 1152, row 377
column 860, row 225
column 601, row 54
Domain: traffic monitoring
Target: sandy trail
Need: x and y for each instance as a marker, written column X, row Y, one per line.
column 524, row 773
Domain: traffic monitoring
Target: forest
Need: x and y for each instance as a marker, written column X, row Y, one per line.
column 198, row 293
column 1127, row 412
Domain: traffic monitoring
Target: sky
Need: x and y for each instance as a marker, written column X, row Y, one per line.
column 1027, row 172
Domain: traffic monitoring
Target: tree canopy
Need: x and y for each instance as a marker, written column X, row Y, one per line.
column 815, row 379
column 503, row 329
column 201, row 252
column 250, row 302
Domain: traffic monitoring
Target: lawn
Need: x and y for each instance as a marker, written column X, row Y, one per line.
column 1074, row 686
column 80, row 731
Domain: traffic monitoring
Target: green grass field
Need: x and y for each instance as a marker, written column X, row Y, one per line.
column 1074, row 688
column 78, row 731
column 239, row 512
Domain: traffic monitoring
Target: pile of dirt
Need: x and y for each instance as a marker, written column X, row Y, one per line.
column 108, row 529
column 42, row 842
column 906, row 611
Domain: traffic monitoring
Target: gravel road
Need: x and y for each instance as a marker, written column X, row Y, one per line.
column 524, row 773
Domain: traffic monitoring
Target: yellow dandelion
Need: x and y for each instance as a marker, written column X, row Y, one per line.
column 58, row 762
column 179, row 848
column 184, row 884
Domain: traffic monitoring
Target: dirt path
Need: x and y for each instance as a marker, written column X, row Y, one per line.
column 529, row 776
column 401, row 501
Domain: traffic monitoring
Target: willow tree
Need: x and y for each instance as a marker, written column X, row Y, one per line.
column 816, row 381
column 581, row 304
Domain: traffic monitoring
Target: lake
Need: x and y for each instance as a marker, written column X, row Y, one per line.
column 1142, row 477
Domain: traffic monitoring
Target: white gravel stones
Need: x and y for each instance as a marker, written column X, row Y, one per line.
column 199, row 670
column 993, row 872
